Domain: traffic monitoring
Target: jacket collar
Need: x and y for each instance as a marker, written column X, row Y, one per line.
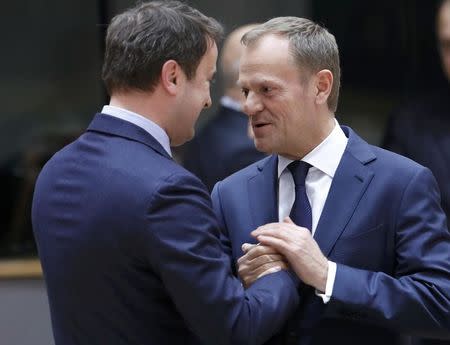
column 111, row 125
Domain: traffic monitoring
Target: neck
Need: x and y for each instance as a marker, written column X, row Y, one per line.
column 314, row 139
column 325, row 129
column 142, row 103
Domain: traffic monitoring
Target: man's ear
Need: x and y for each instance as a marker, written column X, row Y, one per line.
column 324, row 83
column 171, row 75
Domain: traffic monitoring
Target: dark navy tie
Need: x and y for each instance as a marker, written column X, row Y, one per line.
column 301, row 213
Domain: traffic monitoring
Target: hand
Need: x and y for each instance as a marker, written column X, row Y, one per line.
column 299, row 248
column 257, row 261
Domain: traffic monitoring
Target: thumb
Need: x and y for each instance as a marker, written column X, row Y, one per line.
column 247, row 246
column 288, row 220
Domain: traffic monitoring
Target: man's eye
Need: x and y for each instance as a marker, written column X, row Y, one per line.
column 245, row 92
column 266, row 89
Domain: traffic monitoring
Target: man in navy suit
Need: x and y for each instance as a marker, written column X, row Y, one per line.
column 128, row 240
column 225, row 145
column 420, row 129
column 373, row 250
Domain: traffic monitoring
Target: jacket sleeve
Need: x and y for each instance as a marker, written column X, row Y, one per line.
column 184, row 249
column 416, row 299
column 223, row 234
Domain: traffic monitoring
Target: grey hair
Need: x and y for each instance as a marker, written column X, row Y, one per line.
column 312, row 46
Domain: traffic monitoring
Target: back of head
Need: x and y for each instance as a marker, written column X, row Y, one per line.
column 140, row 40
column 231, row 54
column 312, row 47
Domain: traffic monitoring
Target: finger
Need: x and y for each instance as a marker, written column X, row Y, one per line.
column 279, row 227
column 267, row 224
column 246, row 258
column 263, row 259
column 279, row 232
column 272, row 226
column 260, row 251
column 248, row 267
column 283, row 231
column 254, row 253
column 277, row 243
column 264, row 230
column 269, row 271
column 257, row 264
column 269, row 265
column 248, row 274
column 247, row 246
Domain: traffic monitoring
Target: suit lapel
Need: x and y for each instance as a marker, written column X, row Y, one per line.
column 111, row 125
column 350, row 181
column 263, row 192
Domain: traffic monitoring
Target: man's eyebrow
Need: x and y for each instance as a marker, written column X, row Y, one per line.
column 263, row 80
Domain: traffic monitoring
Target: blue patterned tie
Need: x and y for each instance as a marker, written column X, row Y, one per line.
column 301, row 213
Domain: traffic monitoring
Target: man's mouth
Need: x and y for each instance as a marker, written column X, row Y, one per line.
column 259, row 125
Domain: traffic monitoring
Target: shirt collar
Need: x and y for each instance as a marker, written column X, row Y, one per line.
column 229, row 102
column 324, row 157
column 146, row 124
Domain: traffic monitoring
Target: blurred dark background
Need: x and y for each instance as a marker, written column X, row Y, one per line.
column 51, row 58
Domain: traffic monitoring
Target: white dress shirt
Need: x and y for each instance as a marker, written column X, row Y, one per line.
column 324, row 160
column 146, row 124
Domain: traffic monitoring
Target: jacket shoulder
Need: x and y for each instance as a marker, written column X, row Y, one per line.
column 394, row 161
column 247, row 172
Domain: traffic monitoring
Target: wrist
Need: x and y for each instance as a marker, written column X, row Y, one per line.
column 322, row 277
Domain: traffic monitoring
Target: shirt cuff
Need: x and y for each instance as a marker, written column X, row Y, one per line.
column 330, row 283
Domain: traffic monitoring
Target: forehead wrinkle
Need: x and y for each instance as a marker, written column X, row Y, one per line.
column 258, row 74
column 257, row 80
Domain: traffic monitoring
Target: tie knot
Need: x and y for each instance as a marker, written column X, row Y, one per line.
column 299, row 170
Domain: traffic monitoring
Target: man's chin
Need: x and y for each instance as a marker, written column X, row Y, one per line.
column 191, row 136
column 261, row 146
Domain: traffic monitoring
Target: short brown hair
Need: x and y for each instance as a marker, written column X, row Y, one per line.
column 140, row 40
column 312, row 47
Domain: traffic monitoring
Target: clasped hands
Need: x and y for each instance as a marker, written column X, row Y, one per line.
column 282, row 246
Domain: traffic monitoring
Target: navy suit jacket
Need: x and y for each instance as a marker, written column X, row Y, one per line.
column 221, row 148
column 382, row 224
column 131, row 253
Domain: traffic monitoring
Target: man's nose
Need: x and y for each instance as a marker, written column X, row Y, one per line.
column 252, row 104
